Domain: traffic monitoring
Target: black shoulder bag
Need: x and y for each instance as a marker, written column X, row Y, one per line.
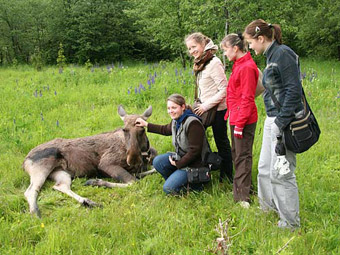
column 301, row 133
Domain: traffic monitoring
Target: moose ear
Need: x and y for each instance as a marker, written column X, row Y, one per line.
column 147, row 113
column 121, row 112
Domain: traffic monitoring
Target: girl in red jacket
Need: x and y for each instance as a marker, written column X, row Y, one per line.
column 242, row 113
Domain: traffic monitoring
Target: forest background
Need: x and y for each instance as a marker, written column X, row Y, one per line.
column 105, row 31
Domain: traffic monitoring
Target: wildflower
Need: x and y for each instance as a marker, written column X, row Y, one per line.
column 57, row 123
column 153, row 80
column 141, row 86
column 155, row 74
column 42, row 225
column 14, row 121
column 177, row 81
column 136, row 91
column 42, row 116
column 129, row 92
column 40, row 94
column 36, row 93
column 55, row 92
column 183, row 81
column 60, row 70
column 149, row 83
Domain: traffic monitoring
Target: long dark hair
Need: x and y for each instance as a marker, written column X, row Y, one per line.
column 260, row 27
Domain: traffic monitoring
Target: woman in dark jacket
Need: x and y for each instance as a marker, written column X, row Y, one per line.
column 277, row 188
column 189, row 140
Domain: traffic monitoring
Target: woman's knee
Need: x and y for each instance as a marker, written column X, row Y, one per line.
column 158, row 161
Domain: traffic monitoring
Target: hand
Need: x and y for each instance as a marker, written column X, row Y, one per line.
column 238, row 132
column 282, row 165
column 141, row 123
column 172, row 162
column 199, row 110
column 280, row 148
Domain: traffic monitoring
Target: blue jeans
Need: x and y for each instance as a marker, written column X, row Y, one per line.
column 176, row 180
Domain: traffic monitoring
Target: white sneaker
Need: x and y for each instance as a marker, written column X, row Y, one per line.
column 244, row 204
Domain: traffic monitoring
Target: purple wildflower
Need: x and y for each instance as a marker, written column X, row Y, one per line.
column 177, row 81
column 129, row 92
column 57, row 123
column 155, row 74
column 149, row 83
column 141, row 86
column 55, row 92
column 14, row 121
column 176, row 72
column 42, row 116
column 136, row 90
column 36, row 93
column 40, row 94
column 183, row 81
column 153, row 80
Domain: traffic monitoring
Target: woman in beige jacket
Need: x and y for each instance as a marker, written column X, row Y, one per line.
column 211, row 84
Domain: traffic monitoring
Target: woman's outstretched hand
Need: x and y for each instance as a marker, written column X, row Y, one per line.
column 141, row 123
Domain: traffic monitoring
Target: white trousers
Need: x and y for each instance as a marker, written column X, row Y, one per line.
column 275, row 191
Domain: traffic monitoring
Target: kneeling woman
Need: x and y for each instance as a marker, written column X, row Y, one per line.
column 189, row 140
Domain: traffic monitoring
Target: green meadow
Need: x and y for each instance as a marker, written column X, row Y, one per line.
column 36, row 107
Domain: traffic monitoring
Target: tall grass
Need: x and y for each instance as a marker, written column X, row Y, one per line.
column 39, row 106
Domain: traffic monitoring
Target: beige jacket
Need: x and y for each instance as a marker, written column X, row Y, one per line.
column 212, row 83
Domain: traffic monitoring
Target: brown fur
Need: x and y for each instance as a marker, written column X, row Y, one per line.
column 117, row 154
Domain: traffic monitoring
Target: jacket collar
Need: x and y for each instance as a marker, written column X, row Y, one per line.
column 270, row 50
column 243, row 59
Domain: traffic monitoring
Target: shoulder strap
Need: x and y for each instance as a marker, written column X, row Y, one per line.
column 277, row 104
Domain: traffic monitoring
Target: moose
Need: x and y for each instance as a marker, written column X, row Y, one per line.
column 122, row 154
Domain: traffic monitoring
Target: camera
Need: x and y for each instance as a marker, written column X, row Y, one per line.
column 175, row 157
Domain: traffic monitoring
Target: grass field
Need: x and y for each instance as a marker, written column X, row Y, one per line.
column 38, row 106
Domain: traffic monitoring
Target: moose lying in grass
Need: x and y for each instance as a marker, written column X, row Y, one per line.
column 119, row 154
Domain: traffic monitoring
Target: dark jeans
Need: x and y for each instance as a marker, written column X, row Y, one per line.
column 242, row 151
column 220, row 131
column 176, row 180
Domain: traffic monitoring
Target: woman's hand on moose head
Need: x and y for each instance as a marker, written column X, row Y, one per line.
column 141, row 123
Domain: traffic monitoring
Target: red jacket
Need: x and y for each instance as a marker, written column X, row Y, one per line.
column 241, row 92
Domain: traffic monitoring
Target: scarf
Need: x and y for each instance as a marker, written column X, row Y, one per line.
column 209, row 51
column 201, row 62
column 185, row 115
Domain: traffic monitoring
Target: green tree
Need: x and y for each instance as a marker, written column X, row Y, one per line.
column 61, row 60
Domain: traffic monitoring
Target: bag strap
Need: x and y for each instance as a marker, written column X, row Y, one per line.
column 278, row 105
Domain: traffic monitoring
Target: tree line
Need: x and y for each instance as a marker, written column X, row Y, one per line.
column 105, row 31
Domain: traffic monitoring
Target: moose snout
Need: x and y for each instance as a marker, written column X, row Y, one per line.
column 134, row 160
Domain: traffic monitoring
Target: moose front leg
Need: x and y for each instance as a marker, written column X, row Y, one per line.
column 117, row 173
